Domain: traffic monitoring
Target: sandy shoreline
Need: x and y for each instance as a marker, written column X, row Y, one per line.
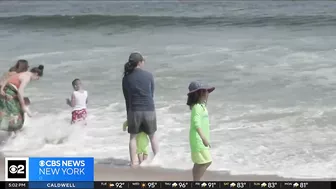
column 104, row 172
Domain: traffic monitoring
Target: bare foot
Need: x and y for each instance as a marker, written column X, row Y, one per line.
column 134, row 166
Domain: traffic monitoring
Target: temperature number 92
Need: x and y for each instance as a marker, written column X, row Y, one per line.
column 119, row 185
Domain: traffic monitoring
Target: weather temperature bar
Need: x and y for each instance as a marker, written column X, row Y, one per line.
column 211, row 184
column 187, row 185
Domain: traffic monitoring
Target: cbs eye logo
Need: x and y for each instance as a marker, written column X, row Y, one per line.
column 16, row 169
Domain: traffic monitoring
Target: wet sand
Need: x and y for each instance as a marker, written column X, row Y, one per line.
column 105, row 172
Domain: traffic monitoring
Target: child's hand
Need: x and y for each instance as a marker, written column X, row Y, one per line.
column 26, row 109
column 68, row 101
column 125, row 125
column 29, row 114
column 206, row 143
column 3, row 93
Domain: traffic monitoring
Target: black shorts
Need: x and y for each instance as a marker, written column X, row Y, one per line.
column 141, row 121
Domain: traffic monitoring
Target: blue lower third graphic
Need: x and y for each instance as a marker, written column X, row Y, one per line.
column 61, row 169
column 59, row 185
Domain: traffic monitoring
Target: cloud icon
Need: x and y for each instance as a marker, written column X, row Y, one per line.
column 232, row 185
column 295, row 185
column 263, row 185
column 174, row 185
column 203, row 184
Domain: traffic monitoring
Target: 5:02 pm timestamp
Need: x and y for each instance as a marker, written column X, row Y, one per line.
column 14, row 185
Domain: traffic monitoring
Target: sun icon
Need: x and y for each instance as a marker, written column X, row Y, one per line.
column 143, row 185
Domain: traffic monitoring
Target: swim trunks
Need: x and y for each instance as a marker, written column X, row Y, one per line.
column 142, row 143
column 78, row 115
column 141, row 121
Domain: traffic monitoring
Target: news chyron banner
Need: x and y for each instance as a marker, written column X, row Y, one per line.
column 51, row 172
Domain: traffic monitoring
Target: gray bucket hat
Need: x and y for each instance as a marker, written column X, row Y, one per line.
column 198, row 85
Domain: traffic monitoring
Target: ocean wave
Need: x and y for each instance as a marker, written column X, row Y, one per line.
column 87, row 21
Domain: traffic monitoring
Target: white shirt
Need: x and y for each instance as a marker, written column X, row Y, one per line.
column 80, row 99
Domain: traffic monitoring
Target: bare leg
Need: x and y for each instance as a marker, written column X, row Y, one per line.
column 199, row 170
column 132, row 150
column 145, row 156
column 154, row 143
column 141, row 158
column 13, row 134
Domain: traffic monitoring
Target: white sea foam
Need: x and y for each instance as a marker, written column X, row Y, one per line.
column 248, row 148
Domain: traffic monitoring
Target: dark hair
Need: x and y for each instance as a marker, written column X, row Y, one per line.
column 74, row 82
column 20, row 66
column 129, row 67
column 132, row 63
column 38, row 70
column 194, row 98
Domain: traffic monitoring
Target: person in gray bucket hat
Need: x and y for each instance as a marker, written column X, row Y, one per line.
column 198, row 85
column 199, row 134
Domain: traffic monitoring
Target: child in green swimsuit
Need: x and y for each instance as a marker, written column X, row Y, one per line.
column 142, row 144
column 199, row 134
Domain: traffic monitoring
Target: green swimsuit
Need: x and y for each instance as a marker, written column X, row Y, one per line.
column 141, row 140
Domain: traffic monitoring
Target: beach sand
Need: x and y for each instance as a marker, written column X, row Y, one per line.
column 104, row 172
column 158, row 174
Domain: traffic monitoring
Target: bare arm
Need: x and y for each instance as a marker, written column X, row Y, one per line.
column 24, row 81
column 4, row 79
column 3, row 84
column 200, row 133
column 196, row 122
column 87, row 98
column 73, row 100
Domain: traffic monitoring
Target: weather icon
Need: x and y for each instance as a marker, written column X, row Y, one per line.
column 203, row 185
column 263, row 185
column 295, row 185
column 174, row 185
column 232, row 185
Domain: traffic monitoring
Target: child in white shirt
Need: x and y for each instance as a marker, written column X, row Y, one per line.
column 78, row 102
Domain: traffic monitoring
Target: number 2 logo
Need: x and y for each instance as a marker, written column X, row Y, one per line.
column 16, row 169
